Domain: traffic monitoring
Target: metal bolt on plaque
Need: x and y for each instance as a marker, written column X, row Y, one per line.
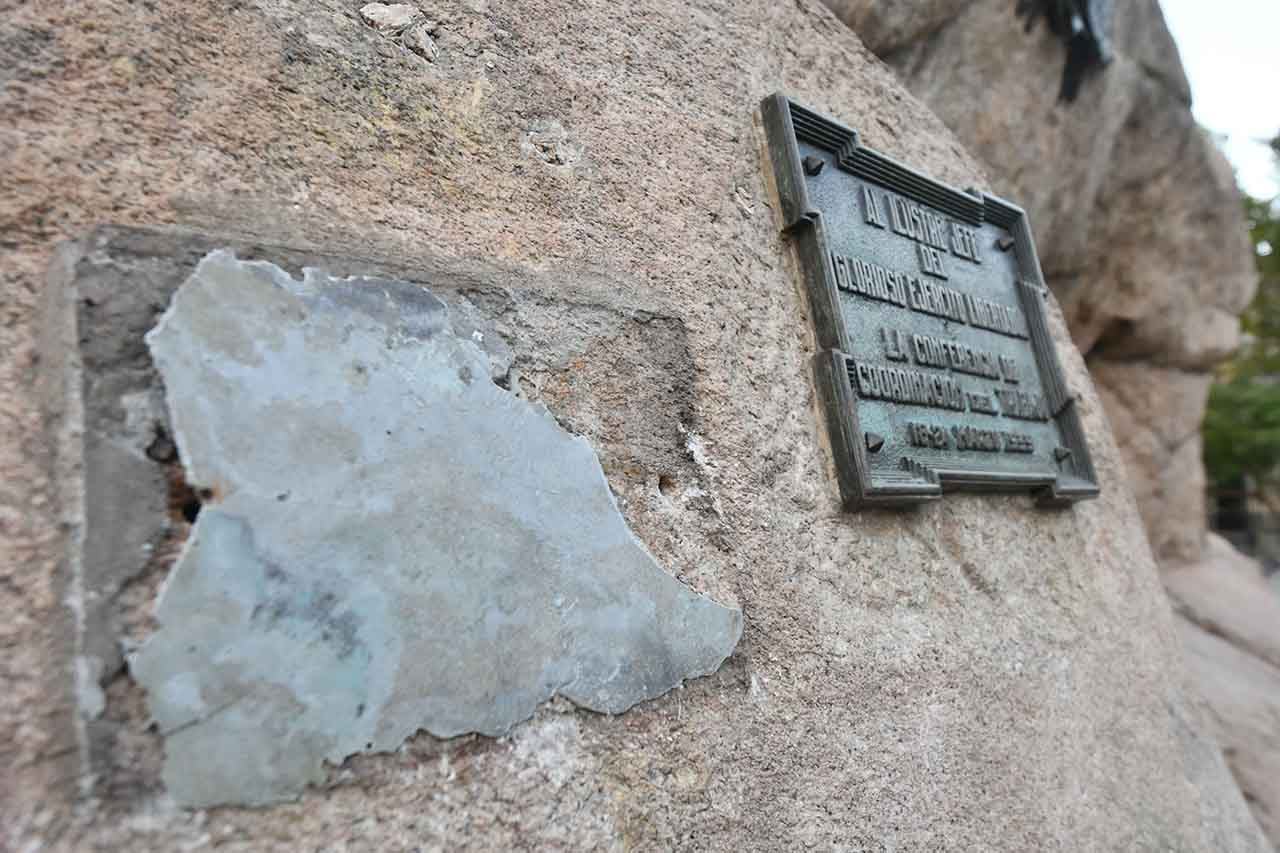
column 934, row 362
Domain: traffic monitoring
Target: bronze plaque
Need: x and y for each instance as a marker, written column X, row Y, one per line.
column 934, row 361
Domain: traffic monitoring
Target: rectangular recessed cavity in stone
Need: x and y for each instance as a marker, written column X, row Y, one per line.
column 393, row 542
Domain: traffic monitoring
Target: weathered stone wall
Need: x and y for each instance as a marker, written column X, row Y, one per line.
column 1140, row 229
column 1229, row 621
column 975, row 674
column 1136, row 214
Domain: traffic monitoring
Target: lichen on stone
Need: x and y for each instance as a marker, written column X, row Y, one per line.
column 391, row 542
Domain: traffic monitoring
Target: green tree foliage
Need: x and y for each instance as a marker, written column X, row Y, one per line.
column 1242, row 424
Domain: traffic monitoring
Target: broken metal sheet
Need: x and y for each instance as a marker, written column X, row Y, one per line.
column 390, row 541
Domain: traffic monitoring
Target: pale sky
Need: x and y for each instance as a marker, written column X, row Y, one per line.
column 1231, row 52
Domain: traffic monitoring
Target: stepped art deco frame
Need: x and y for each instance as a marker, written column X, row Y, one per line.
column 934, row 360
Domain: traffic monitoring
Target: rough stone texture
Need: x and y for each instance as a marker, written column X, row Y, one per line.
column 1227, row 595
column 418, row 39
column 1140, row 230
column 389, row 16
column 975, row 675
column 1230, row 626
column 110, row 288
column 885, row 26
column 424, row 548
column 1136, row 214
column 1242, row 694
column 1156, row 414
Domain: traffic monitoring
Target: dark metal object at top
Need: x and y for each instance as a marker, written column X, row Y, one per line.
column 1084, row 27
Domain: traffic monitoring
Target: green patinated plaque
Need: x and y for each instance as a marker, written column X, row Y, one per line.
column 935, row 362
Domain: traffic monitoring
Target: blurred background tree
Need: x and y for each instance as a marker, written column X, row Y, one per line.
column 1242, row 424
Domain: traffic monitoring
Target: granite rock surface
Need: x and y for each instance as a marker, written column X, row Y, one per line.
column 977, row 674
column 1241, row 691
column 1136, row 214
column 1229, row 620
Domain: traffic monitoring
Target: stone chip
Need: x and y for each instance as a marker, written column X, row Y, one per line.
column 418, row 39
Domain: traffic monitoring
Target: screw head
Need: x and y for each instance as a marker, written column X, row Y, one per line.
column 812, row 165
column 1004, row 244
column 874, row 442
column 1061, row 453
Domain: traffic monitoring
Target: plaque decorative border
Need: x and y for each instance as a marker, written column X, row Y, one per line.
column 786, row 125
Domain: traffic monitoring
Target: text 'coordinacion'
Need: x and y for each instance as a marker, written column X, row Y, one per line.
column 939, row 391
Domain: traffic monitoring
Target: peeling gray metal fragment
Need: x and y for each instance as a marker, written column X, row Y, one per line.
column 391, row 543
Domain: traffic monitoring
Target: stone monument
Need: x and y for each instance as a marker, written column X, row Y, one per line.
column 546, row 254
